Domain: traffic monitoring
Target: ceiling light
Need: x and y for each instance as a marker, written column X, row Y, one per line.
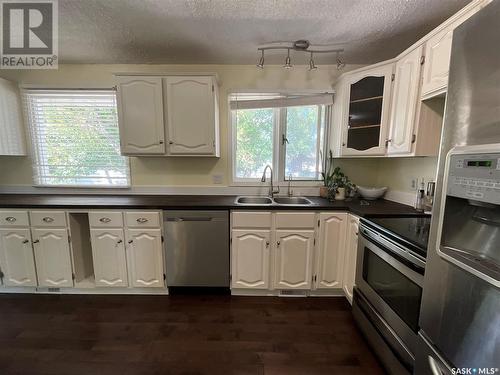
column 260, row 65
column 288, row 64
column 302, row 45
column 311, row 63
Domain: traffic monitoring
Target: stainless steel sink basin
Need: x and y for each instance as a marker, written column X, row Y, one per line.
column 264, row 201
column 295, row 201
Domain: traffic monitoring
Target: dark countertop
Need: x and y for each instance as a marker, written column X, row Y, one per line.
column 198, row 202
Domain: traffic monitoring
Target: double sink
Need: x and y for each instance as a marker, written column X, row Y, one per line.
column 267, row 201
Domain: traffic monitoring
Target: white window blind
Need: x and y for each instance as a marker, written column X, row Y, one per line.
column 75, row 138
column 269, row 100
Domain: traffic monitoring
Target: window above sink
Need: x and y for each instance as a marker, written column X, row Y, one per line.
column 286, row 131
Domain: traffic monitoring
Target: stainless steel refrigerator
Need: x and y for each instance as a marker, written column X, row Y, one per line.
column 460, row 313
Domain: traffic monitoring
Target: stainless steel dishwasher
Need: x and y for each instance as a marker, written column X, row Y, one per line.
column 197, row 248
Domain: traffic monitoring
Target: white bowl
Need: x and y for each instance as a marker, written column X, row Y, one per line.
column 371, row 193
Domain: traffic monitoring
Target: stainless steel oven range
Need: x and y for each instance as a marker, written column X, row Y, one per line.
column 389, row 281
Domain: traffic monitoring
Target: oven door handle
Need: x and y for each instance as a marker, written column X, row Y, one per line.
column 391, row 247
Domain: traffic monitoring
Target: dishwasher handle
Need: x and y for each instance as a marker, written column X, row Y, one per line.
column 181, row 219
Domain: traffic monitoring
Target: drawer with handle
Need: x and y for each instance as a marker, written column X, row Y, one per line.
column 106, row 219
column 13, row 218
column 48, row 218
column 142, row 219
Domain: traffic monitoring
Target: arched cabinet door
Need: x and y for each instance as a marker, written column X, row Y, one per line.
column 52, row 256
column 145, row 258
column 110, row 262
column 294, row 253
column 191, row 115
column 404, row 103
column 367, row 97
column 140, row 115
column 250, row 254
column 16, row 258
column 330, row 250
column 350, row 256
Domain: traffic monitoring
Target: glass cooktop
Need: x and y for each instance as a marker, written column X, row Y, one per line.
column 412, row 232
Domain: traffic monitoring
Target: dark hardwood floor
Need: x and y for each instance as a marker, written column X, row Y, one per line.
column 94, row 335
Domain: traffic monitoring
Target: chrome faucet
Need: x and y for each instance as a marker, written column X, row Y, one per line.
column 271, row 187
column 290, row 192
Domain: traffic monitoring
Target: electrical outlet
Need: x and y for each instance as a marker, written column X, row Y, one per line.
column 217, row 179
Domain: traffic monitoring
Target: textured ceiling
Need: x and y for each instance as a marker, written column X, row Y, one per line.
column 229, row 31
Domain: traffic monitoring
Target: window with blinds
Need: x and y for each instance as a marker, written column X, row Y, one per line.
column 75, row 138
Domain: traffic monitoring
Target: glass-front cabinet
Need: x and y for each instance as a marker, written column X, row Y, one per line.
column 365, row 114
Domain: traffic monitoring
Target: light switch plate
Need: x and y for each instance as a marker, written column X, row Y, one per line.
column 217, row 179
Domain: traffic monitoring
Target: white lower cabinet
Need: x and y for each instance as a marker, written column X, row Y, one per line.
column 110, row 261
column 330, row 250
column 52, row 257
column 127, row 249
column 350, row 256
column 293, row 250
column 294, row 254
column 16, row 257
column 145, row 257
column 250, row 257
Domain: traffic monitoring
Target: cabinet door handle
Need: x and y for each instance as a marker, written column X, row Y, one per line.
column 119, row 241
column 10, row 219
column 26, row 241
column 161, row 142
column 267, row 243
column 171, row 142
column 278, row 243
column 36, row 241
column 48, row 219
column 142, row 220
column 104, row 219
column 130, row 241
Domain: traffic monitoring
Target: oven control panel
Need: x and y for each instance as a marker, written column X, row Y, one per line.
column 475, row 176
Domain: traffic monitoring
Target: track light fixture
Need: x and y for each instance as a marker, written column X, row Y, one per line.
column 311, row 63
column 260, row 65
column 288, row 64
column 301, row 46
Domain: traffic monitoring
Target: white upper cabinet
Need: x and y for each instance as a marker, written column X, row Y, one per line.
column 437, row 62
column 168, row 115
column 364, row 110
column 12, row 136
column 438, row 52
column 140, row 115
column 145, row 258
column 52, row 256
column 329, row 262
column 250, row 255
column 191, row 115
column 16, row 257
column 294, row 254
column 404, row 102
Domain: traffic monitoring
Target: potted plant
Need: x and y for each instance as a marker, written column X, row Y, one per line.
column 338, row 183
column 327, row 176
